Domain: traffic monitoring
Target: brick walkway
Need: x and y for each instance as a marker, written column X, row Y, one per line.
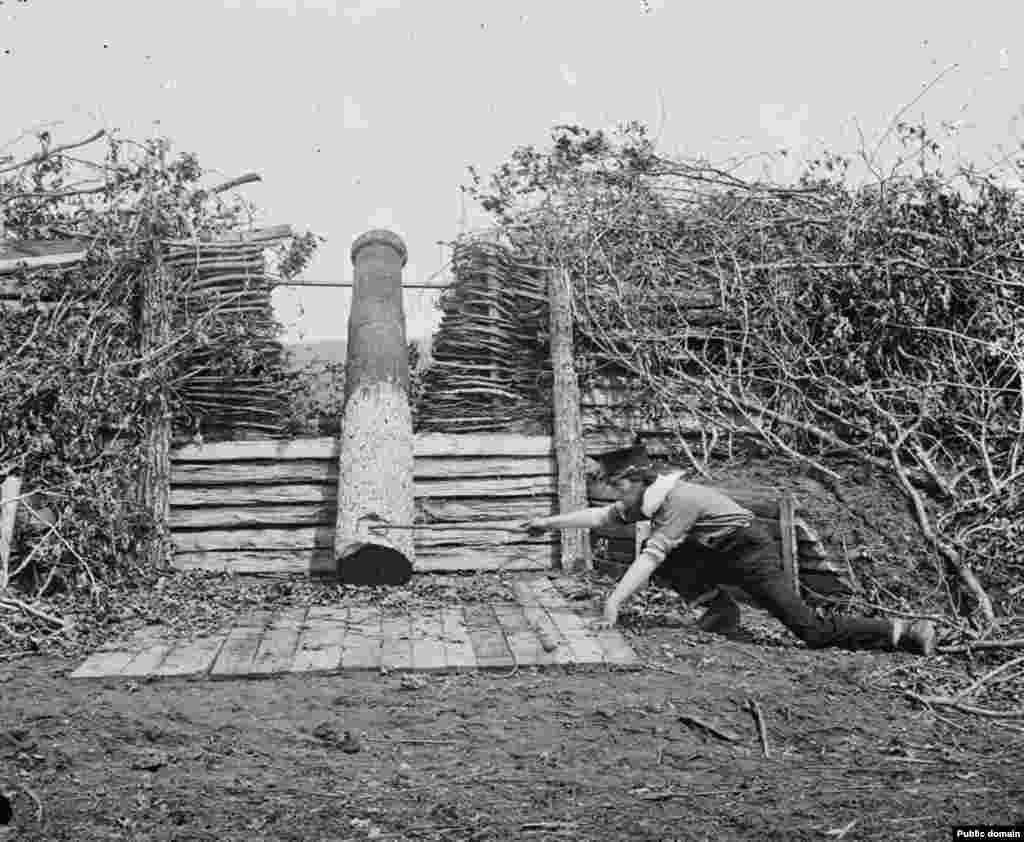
column 541, row 629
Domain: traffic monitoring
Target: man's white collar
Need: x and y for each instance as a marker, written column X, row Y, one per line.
column 656, row 493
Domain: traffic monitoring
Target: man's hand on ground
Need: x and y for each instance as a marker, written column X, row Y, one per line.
column 610, row 616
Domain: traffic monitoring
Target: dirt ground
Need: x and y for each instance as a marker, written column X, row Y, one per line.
column 552, row 754
column 584, row 755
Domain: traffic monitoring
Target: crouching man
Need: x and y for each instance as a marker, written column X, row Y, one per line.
column 700, row 540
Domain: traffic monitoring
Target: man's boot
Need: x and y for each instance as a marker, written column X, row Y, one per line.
column 917, row 637
column 722, row 616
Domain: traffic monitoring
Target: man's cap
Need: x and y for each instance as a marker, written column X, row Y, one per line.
column 620, row 464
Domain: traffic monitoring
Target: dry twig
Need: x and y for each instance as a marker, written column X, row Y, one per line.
column 690, row 719
column 762, row 730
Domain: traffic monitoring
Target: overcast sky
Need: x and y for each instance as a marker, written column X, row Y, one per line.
column 366, row 114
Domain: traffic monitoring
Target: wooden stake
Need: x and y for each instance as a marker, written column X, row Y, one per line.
column 568, row 425
column 154, row 487
column 787, row 529
column 8, row 510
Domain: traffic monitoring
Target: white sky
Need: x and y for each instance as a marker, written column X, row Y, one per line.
column 366, row 114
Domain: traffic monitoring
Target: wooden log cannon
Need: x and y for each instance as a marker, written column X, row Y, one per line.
column 373, row 544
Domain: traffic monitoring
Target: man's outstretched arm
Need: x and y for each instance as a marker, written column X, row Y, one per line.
column 582, row 519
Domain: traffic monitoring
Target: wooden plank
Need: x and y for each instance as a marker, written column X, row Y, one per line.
column 482, row 444
column 308, row 514
column 323, row 447
column 241, row 645
column 252, row 495
column 299, row 538
column 309, row 561
column 499, row 487
column 396, row 641
column 103, row 664
column 554, row 646
column 522, row 639
column 113, row 659
column 312, row 470
column 361, row 647
column 568, row 426
column 483, row 466
column 9, row 491
column 152, row 481
column 326, row 493
column 254, row 471
column 458, row 648
column 508, row 557
column 489, row 644
column 194, row 657
column 428, row 646
column 585, row 647
column 787, row 537
column 276, row 651
column 320, row 641
column 516, row 509
column 326, row 447
column 484, row 535
column 148, row 660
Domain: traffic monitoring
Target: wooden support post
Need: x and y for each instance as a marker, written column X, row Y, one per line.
column 568, row 425
column 9, row 491
column 787, row 537
column 155, row 476
column 375, row 467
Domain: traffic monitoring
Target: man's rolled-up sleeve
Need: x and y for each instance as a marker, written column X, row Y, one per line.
column 672, row 523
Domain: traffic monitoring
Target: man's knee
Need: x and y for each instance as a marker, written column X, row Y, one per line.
column 815, row 639
column 814, row 632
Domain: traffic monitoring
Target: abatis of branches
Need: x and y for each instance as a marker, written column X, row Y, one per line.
column 882, row 323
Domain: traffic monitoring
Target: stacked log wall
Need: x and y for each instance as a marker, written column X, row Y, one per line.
column 269, row 506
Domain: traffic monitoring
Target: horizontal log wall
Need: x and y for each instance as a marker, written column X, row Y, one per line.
column 269, row 506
